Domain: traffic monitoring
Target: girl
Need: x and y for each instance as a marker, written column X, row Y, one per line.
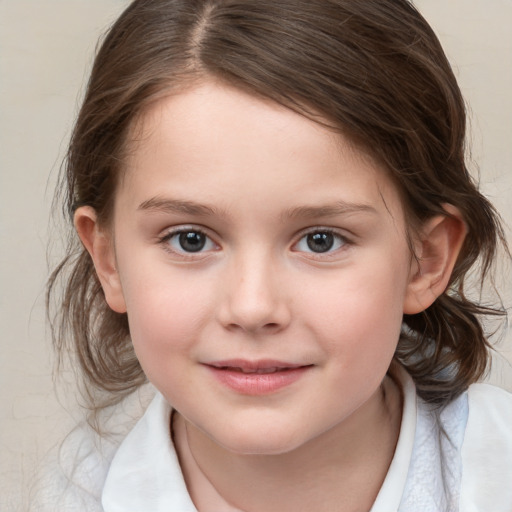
column 276, row 226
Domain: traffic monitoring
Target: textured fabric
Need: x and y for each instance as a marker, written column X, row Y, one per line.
column 72, row 476
column 434, row 475
column 458, row 458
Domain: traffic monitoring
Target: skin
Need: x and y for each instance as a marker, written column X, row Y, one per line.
column 256, row 179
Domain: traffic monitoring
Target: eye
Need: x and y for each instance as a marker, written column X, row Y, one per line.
column 320, row 241
column 188, row 241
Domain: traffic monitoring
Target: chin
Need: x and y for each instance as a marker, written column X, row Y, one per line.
column 259, row 441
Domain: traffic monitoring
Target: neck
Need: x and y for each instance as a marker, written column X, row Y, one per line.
column 342, row 469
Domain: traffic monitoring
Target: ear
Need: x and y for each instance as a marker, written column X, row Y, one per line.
column 99, row 245
column 437, row 250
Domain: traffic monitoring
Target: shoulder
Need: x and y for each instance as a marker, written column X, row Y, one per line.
column 73, row 474
column 491, row 399
column 461, row 458
column 487, row 451
column 489, row 425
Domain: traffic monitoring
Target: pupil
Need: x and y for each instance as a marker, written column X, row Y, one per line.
column 320, row 242
column 192, row 241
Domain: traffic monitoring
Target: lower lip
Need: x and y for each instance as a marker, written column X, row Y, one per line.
column 258, row 383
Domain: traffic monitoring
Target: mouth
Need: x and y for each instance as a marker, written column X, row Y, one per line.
column 257, row 377
column 260, row 367
column 260, row 371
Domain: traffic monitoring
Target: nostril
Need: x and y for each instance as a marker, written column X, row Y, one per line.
column 272, row 326
column 269, row 327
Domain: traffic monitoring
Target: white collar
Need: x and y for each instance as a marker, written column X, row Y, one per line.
column 145, row 474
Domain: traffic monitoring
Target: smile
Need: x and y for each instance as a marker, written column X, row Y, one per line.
column 257, row 377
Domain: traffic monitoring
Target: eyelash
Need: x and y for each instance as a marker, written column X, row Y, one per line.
column 342, row 241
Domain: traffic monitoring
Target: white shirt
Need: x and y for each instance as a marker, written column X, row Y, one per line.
column 458, row 458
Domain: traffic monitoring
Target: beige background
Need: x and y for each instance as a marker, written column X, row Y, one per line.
column 46, row 48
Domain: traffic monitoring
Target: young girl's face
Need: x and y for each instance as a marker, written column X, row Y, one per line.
column 263, row 264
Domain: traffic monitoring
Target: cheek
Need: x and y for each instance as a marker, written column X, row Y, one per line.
column 360, row 312
column 165, row 323
column 165, row 309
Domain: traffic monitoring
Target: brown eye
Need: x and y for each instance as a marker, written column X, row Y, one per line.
column 320, row 242
column 189, row 241
column 192, row 241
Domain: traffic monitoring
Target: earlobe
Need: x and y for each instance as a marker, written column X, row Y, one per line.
column 98, row 244
column 438, row 248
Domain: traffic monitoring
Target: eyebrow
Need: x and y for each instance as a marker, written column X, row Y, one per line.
column 164, row 205
column 329, row 210
column 180, row 206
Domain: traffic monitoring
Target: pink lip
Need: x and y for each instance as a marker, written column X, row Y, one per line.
column 256, row 377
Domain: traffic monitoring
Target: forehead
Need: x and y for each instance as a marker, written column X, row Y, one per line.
column 219, row 139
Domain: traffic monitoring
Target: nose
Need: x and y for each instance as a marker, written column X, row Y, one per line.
column 254, row 297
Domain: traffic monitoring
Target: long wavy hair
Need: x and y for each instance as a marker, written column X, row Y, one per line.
column 372, row 69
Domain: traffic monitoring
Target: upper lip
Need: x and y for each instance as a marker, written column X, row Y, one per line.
column 261, row 365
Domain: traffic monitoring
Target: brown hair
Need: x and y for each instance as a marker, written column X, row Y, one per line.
column 374, row 69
